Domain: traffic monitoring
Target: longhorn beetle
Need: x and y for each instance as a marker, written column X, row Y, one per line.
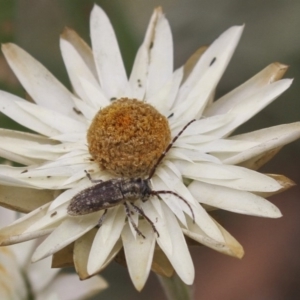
column 106, row 194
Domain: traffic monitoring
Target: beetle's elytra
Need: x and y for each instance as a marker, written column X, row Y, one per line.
column 110, row 193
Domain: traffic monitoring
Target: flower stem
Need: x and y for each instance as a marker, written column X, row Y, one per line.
column 175, row 288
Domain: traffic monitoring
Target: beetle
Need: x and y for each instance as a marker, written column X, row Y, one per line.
column 110, row 193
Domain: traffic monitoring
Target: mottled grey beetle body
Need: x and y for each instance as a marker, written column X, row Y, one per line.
column 109, row 193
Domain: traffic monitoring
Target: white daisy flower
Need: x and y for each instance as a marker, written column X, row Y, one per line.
column 19, row 279
column 115, row 127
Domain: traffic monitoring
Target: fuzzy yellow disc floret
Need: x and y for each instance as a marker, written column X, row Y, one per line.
column 127, row 137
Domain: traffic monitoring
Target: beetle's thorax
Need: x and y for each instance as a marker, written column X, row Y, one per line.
column 136, row 188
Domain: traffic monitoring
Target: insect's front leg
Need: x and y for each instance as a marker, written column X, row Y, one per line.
column 91, row 179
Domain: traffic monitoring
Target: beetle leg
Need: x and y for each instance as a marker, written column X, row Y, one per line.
column 91, row 179
column 127, row 210
column 141, row 212
column 100, row 222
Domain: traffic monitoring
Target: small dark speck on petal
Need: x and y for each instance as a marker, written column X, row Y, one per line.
column 78, row 112
column 213, row 61
column 25, row 171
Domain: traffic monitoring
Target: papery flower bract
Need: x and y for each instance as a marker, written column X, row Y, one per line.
column 19, row 279
column 219, row 168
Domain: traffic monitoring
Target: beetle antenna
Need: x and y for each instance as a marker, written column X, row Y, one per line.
column 169, row 147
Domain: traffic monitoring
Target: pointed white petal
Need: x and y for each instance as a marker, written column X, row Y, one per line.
column 179, row 256
column 231, row 176
column 191, row 155
column 222, row 145
column 108, row 58
column 139, row 74
column 52, row 118
column 171, row 200
column 23, row 145
column 264, row 78
column 94, row 94
column 84, row 108
column 9, row 106
column 82, row 48
column 203, row 126
column 268, row 139
column 221, row 49
column 14, row 233
column 160, row 56
column 164, row 98
column 40, row 84
column 76, row 67
column 67, row 232
column 139, row 253
column 233, row 200
column 201, row 216
column 106, row 237
column 229, row 245
column 249, row 107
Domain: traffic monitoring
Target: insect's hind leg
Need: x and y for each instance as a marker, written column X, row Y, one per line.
column 91, row 179
column 127, row 210
column 141, row 212
column 100, row 222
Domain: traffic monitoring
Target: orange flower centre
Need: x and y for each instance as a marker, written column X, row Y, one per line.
column 127, row 137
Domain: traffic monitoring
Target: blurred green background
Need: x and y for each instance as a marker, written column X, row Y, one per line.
column 271, row 266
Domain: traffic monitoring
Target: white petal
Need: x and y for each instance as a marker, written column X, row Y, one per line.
column 203, row 126
column 82, row 48
column 223, row 146
column 191, row 155
column 139, row 253
column 164, row 98
column 229, row 245
column 246, row 90
column 160, row 56
column 231, row 176
column 67, row 232
column 105, row 239
column 52, row 118
column 94, row 94
column 221, row 49
column 15, row 232
column 233, row 200
column 76, row 67
column 25, row 145
column 249, row 107
column 139, row 74
column 171, row 200
column 179, row 255
column 84, row 108
column 268, row 139
column 108, row 59
column 9, row 106
column 40, row 84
